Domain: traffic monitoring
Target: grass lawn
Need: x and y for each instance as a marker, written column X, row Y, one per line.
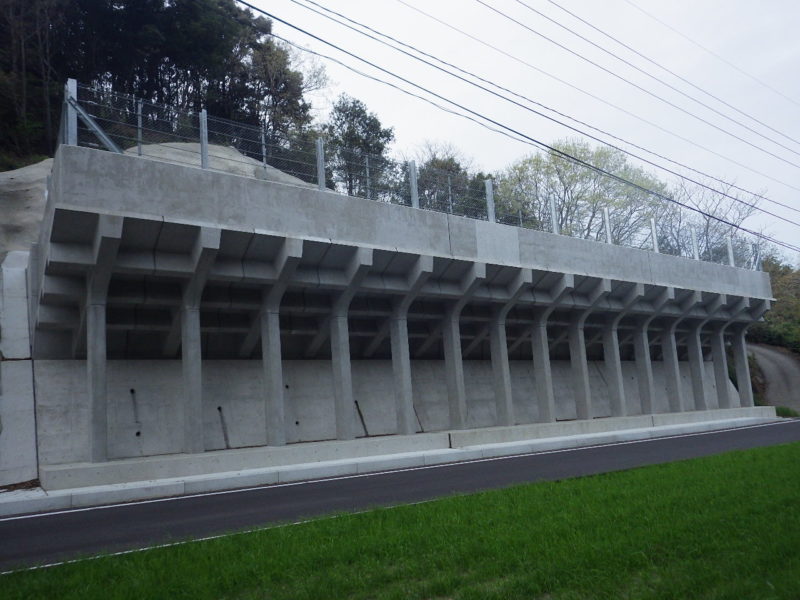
column 721, row 527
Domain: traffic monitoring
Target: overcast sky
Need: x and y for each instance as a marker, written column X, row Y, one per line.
column 760, row 38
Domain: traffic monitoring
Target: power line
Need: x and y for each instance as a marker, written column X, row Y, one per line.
column 671, row 72
column 714, row 54
column 638, row 87
column 594, row 96
column 662, row 82
column 735, row 199
column 529, row 139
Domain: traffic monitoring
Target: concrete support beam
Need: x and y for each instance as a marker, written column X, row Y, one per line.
column 269, row 330
column 613, row 363
column 541, row 350
column 92, row 331
column 641, row 349
column 344, row 404
column 204, row 252
column 739, row 347
column 453, row 358
column 720, row 357
column 577, row 352
column 504, row 404
column 401, row 357
column 192, row 371
column 696, row 363
column 669, row 348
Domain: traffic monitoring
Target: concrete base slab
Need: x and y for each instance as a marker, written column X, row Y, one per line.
column 27, row 501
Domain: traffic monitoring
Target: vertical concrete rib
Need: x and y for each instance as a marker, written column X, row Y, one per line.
column 613, row 363
column 192, row 369
column 541, row 350
column 696, row 362
column 504, row 402
column 669, row 348
column 401, row 358
column 739, row 346
column 641, row 349
column 579, row 364
column 107, row 238
column 98, row 387
column 344, row 403
column 720, row 357
column 451, row 336
column 269, row 328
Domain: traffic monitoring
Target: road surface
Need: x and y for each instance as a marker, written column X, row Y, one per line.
column 62, row 535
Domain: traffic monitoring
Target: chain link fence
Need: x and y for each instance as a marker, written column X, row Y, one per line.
column 100, row 118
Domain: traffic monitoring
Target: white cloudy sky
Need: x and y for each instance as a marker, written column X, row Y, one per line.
column 760, row 38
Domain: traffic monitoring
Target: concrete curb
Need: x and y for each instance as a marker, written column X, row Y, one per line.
column 36, row 501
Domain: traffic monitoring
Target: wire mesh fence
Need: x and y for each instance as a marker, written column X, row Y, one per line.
column 113, row 121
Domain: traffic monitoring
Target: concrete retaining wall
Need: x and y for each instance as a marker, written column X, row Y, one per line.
column 17, row 419
column 145, row 418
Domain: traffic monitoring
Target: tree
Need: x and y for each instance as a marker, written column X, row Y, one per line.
column 356, row 147
column 527, row 187
column 781, row 325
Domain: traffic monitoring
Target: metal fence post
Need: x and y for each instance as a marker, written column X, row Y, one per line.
column 553, row 216
column 412, row 182
column 369, row 186
column 607, row 221
column 695, row 246
column 203, row 139
column 653, row 233
column 490, row 201
column 450, row 194
column 263, row 147
column 756, row 257
column 71, row 126
column 731, row 260
column 139, row 127
column 320, row 165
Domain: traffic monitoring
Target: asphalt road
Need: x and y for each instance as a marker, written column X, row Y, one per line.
column 62, row 535
column 781, row 371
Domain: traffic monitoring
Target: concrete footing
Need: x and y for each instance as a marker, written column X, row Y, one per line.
column 88, row 484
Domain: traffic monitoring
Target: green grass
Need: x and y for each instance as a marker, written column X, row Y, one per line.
column 726, row 526
column 785, row 411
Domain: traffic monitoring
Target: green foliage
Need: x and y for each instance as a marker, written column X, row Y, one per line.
column 781, row 326
column 722, row 527
column 185, row 53
column 353, row 136
column 786, row 412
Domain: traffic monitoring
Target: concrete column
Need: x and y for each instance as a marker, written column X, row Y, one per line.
column 644, row 368
column 541, row 371
column 192, row 365
column 454, row 368
column 401, row 371
column 613, row 366
column 98, row 387
column 580, row 369
column 672, row 373
column 272, row 364
column 697, row 368
column 742, row 366
column 504, row 403
column 720, row 366
column 342, row 378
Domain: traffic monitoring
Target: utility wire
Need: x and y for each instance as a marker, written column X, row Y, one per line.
column 734, row 198
column 671, row 72
column 529, row 139
column 662, row 82
column 635, row 85
column 714, row 54
column 594, row 96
